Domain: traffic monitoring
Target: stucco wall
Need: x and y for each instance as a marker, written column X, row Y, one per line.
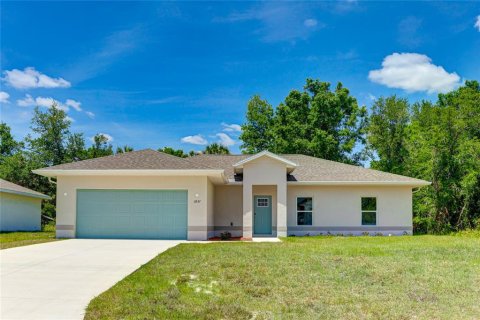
column 228, row 207
column 267, row 172
column 197, row 211
column 210, row 207
column 19, row 213
column 228, row 210
column 337, row 209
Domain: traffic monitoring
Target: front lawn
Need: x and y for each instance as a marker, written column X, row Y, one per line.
column 408, row 277
column 18, row 239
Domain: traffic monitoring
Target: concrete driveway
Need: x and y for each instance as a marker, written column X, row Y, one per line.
column 57, row 280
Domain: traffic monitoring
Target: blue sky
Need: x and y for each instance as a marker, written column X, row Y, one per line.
column 154, row 74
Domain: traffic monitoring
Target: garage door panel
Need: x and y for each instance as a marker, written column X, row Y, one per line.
column 146, row 214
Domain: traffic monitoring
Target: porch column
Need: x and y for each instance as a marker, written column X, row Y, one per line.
column 282, row 210
column 247, row 211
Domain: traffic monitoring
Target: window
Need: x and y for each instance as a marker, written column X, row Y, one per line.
column 369, row 211
column 262, row 202
column 304, row 211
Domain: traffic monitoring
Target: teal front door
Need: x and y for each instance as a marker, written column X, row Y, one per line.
column 262, row 215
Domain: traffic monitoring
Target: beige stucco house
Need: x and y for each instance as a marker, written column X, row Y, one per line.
column 149, row 194
column 20, row 208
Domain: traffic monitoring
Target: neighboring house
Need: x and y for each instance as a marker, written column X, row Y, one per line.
column 20, row 208
column 149, row 194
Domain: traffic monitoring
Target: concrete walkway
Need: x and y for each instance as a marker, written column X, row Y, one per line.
column 57, row 280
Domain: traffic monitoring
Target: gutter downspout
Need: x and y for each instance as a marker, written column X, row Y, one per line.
column 51, row 181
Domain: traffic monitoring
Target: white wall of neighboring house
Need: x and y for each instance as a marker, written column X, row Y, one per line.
column 19, row 213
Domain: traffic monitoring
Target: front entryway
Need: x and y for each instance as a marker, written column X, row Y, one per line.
column 262, row 215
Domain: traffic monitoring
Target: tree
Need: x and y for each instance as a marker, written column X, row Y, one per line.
column 336, row 122
column 444, row 147
column 75, row 148
column 216, row 148
column 124, row 149
column 174, row 152
column 8, row 145
column 317, row 122
column 257, row 132
column 101, row 147
column 291, row 129
column 387, row 134
column 52, row 129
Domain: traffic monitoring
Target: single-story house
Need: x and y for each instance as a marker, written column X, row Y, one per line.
column 149, row 194
column 20, row 208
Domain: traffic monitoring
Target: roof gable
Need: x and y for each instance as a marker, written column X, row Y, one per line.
column 289, row 164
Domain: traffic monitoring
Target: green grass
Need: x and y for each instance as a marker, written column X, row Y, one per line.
column 18, row 239
column 409, row 277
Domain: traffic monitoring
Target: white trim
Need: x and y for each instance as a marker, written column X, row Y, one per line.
column 25, row 194
column 128, row 172
column 362, row 183
column 296, row 211
column 263, row 198
column 290, row 164
column 362, row 211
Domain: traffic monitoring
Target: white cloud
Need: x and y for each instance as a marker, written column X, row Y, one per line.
column 4, row 97
column 90, row 114
column 47, row 102
column 106, row 135
column 70, row 119
column 372, row 97
column 414, row 72
column 310, row 23
column 231, row 127
column 196, row 139
column 477, row 23
column 74, row 104
column 225, row 140
column 31, row 78
column 28, row 101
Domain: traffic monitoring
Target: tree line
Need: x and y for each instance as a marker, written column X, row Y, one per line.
column 435, row 141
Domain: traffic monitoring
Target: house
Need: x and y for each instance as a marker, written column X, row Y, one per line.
column 149, row 194
column 20, row 208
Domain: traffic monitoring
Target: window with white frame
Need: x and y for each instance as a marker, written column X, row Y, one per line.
column 304, row 211
column 262, row 202
column 369, row 211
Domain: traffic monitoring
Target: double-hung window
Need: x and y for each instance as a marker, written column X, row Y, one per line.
column 304, row 211
column 369, row 211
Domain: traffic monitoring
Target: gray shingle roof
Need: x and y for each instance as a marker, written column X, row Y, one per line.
column 9, row 187
column 147, row 159
column 311, row 169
